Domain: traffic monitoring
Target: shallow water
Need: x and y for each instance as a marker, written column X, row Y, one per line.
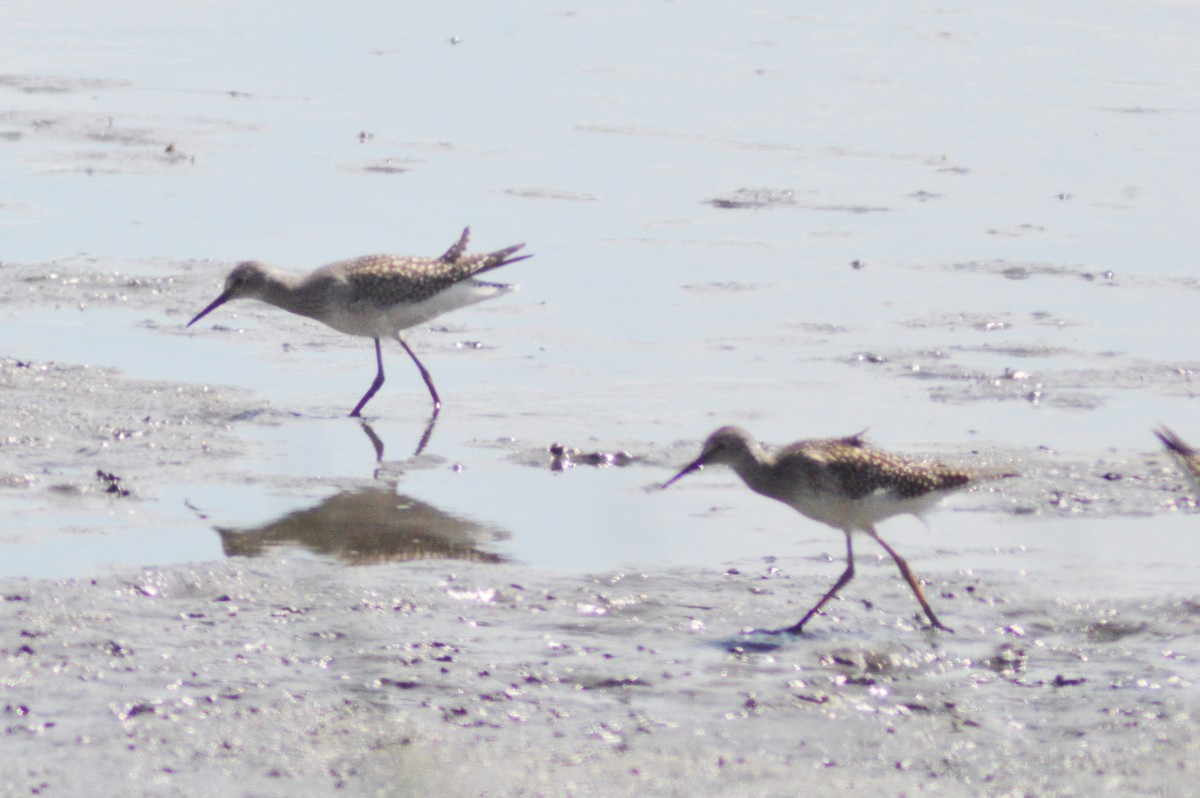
column 968, row 230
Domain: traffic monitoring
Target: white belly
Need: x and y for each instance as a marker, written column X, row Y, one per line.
column 374, row 321
column 863, row 513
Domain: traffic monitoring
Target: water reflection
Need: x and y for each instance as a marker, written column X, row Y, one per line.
column 368, row 525
column 377, row 442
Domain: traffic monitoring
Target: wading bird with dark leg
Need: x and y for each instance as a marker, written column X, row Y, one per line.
column 841, row 482
column 375, row 296
column 1187, row 456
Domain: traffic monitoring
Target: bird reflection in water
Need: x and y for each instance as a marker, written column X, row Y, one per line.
column 377, row 442
column 368, row 525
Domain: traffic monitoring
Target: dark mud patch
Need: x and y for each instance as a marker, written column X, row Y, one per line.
column 988, row 322
column 101, row 143
column 1017, row 231
column 384, row 166
column 566, row 457
column 1078, row 389
column 113, row 484
column 941, row 163
column 854, row 209
column 1039, row 373
column 925, row 196
column 557, row 195
column 44, row 84
column 819, row 329
column 766, row 198
column 723, row 287
column 1018, row 270
column 755, row 198
column 562, row 457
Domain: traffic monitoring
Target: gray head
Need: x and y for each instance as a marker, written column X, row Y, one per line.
column 728, row 445
column 248, row 279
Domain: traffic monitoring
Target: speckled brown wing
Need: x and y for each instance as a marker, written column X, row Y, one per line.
column 458, row 248
column 386, row 280
column 858, row 470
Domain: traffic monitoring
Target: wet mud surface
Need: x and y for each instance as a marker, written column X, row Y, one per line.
column 329, row 652
column 217, row 584
column 466, row 679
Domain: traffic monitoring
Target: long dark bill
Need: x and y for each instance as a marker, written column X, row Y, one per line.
column 695, row 465
column 216, row 303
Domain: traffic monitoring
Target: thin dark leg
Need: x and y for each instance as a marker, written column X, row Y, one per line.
column 375, row 386
column 428, row 433
column 846, row 576
column 376, row 441
column 437, row 402
column 912, row 581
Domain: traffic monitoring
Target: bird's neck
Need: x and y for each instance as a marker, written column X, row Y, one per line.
column 287, row 291
column 751, row 465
